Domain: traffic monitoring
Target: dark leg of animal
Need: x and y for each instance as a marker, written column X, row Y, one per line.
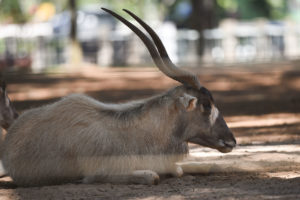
column 8, row 113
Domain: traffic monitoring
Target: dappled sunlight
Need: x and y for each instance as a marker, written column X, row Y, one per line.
column 261, row 109
column 242, row 80
column 246, row 55
column 263, row 120
column 268, row 128
column 284, row 175
column 40, row 94
column 294, row 84
column 270, row 138
column 8, row 195
column 92, row 80
column 257, row 158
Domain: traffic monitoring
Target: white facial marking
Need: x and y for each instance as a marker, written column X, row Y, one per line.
column 213, row 115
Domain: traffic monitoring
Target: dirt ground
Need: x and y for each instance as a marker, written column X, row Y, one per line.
column 261, row 104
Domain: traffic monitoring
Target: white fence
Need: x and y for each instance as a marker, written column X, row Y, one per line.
column 255, row 41
column 37, row 46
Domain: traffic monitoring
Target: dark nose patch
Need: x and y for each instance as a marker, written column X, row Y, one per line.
column 230, row 143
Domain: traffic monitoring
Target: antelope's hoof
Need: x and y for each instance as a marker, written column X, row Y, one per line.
column 146, row 177
column 178, row 172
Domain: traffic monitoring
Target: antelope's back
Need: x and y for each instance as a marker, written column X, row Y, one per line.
column 51, row 129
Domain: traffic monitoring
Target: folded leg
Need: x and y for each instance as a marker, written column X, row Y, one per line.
column 146, row 177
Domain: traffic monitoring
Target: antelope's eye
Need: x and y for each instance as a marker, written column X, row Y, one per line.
column 207, row 106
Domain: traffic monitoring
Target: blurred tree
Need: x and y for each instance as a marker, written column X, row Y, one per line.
column 74, row 48
column 206, row 14
column 250, row 9
column 73, row 9
column 202, row 17
column 10, row 11
column 279, row 8
column 136, row 6
column 194, row 14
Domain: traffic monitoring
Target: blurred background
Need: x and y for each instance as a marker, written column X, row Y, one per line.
column 247, row 52
column 40, row 35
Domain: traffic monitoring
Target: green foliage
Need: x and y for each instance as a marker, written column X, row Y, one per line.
column 250, row 9
column 279, row 8
column 134, row 5
column 229, row 5
column 10, row 10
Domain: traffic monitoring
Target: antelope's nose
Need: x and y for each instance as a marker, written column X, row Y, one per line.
column 230, row 143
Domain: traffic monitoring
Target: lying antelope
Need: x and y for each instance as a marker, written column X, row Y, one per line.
column 8, row 113
column 79, row 138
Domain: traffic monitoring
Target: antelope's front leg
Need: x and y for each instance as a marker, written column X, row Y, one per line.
column 176, row 171
column 145, row 177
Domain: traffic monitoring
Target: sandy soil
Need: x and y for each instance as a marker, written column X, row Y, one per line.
column 261, row 105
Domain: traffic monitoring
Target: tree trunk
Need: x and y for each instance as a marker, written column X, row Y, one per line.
column 202, row 17
column 73, row 9
column 75, row 51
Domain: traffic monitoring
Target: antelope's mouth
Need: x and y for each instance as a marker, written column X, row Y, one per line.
column 226, row 146
column 225, row 149
column 220, row 145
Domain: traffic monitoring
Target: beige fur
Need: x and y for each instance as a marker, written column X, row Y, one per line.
column 79, row 137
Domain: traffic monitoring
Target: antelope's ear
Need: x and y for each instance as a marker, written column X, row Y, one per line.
column 2, row 88
column 189, row 102
column 3, row 95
